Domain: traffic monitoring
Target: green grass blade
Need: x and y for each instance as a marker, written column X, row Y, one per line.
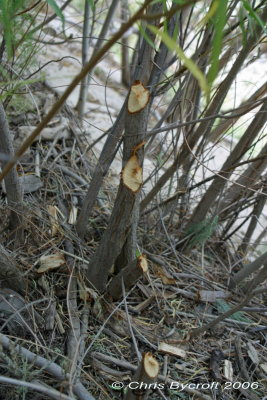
column 254, row 15
column 189, row 64
column 220, row 18
column 57, row 9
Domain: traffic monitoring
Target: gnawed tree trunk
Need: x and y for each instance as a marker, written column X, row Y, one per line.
column 131, row 182
column 143, row 379
column 220, row 180
column 129, row 274
column 12, row 184
column 142, row 73
column 109, row 150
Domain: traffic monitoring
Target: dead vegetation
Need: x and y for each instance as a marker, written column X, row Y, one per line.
column 159, row 314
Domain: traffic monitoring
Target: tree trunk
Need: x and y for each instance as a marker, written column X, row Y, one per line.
column 257, row 211
column 10, row 275
column 12, row 184
column 248, row 270
column 143, row 378
column 131, row 181
column 129, row 274
column 247, row 179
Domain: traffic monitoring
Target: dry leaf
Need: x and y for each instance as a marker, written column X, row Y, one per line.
column 86, row 294
column 172, row 350
column 51, row 261
column 132, row 174
column 164, row 276
column 138, row 98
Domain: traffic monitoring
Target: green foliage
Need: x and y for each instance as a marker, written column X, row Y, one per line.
column 92, row 4
column 137, row 253
column 145, row 36
column 219, row 21
column 8, row 19
column 56, row 9
column 254, row 15
column 201, row 231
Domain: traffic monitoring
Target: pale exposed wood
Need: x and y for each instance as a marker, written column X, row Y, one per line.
column 145, row 375
column 172, row 350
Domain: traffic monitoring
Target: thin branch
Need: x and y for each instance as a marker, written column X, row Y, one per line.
column 54, row 394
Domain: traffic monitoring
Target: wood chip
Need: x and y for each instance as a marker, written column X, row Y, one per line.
column 53, row 217
column 164, row 276
column 51, row 262
column 253, row 354
column 228, row 370
column 210, row 296
column 172, row 350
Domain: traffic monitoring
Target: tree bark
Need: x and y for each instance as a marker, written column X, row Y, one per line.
column 143, row 378
column 10, row 275
column 257, row 211
column 247, row 179
column 121, row 218
column 106, row 157
column 248, row 270
column 130, row 274
column 12, row 184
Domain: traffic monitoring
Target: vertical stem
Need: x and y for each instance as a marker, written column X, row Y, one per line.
column 85, row 58
column 12, row 183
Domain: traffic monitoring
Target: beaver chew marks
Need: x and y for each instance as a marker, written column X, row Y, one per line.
column 132, row 174
column 138, row 97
